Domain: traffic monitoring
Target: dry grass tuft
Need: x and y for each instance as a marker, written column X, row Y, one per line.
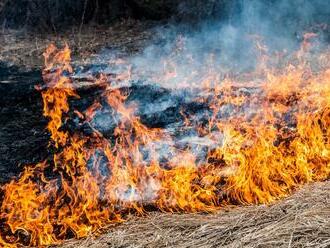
column 301, row 220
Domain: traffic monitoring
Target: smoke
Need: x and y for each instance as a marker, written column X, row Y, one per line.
column 183, row 55
column 170, row 74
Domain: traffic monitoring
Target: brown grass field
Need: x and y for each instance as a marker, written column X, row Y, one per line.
column 301, row 220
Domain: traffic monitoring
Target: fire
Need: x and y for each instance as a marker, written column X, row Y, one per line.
column 275, row 139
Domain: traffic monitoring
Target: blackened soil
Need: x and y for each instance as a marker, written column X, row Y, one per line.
column 23, row 136
column 23, row 139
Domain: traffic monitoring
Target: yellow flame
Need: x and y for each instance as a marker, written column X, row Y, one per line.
column 263, row 154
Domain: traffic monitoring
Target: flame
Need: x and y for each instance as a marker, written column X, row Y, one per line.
column 275, row 139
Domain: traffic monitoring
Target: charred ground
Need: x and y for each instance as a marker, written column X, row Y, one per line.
column 23, row 138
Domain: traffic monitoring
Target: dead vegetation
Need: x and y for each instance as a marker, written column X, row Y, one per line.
column 24, row 49
column 302, row 220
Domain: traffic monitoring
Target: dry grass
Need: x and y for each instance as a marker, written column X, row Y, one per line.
column 24, row 49
column 302, row 220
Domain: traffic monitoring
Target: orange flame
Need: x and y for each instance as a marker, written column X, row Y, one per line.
column 276, row 139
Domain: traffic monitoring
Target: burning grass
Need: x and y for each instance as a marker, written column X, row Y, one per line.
column 268, row 137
